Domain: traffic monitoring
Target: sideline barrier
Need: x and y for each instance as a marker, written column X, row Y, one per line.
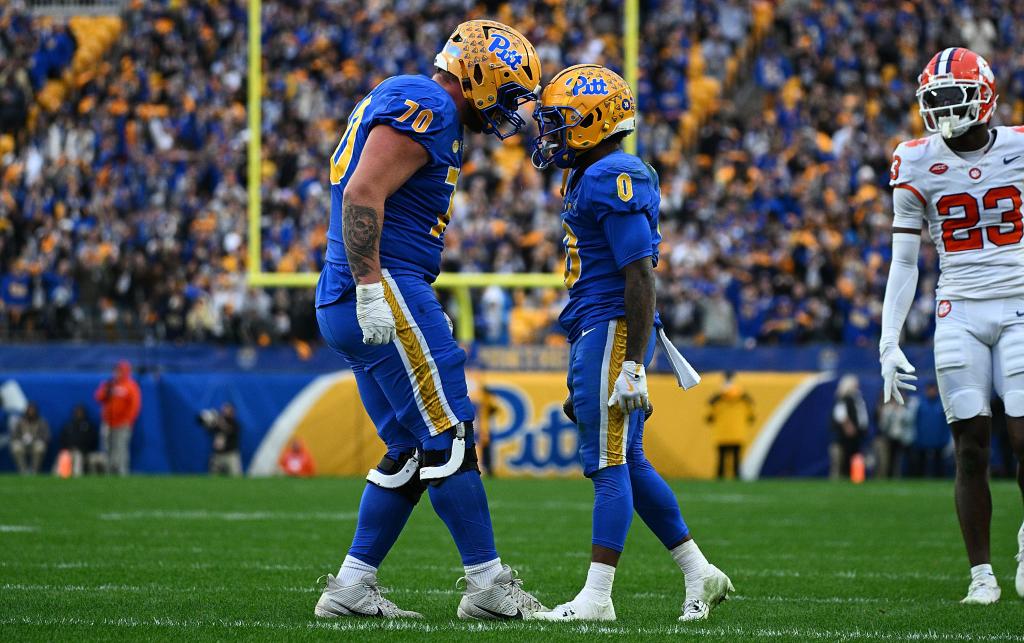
column 527, row 432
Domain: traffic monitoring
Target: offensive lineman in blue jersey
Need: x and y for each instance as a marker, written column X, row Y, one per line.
column 393, row 177
column 610, row 218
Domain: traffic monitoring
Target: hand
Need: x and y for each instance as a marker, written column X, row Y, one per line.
column 897, row 374
column 374, row 315
column 630, row 391
column 569, row 410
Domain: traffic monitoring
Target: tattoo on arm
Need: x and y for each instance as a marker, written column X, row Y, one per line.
column 640, row 300
column 361, row 231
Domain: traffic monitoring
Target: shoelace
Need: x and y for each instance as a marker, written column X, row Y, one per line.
column 385, row 604
column 522, row 597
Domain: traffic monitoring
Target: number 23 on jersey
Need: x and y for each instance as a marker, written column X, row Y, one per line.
column 959, row 233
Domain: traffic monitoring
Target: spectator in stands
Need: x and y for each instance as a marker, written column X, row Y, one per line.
column 81, row 439
column 29, row 439
column 296, row 460
column 136, row 178
column 849, row 425
column 932, row 436
column 223, row 426
column 731, row 416
column 120, row 402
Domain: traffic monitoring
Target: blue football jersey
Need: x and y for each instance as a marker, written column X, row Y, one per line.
column 416, row 215
column 610, row 219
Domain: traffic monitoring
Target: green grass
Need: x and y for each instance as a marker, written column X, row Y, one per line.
column 197, row 558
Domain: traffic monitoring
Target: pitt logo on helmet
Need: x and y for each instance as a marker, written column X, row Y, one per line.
column 506, row 53
column 579, row 108
column 593, row 87
column 498, row 69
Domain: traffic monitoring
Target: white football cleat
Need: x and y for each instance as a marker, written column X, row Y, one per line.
column 1020, row 562
column 713, row 589
column 362, row 599
column 579, row 609
column 505, row 599
column 983, row 591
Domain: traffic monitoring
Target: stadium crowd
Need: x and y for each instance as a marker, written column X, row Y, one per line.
column 122, row 210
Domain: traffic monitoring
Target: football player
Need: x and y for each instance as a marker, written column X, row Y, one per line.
column 610, row 219
column 964, row 181
column 393, row 177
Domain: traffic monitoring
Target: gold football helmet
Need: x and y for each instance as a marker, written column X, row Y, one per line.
column 499, row 71
column 579, row 108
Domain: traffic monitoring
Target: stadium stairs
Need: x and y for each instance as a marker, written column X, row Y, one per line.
column 94, row 36
column 705, row 90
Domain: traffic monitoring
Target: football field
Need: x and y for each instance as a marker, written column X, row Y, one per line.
column 198, row 558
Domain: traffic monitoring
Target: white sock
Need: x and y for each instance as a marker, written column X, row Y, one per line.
column 599, row 583
column 691, row 561
column 982, row 571
column 483, row 574
column 353, row 570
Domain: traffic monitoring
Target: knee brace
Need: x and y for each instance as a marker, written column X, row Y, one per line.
column 399, row 475
column 439, row 464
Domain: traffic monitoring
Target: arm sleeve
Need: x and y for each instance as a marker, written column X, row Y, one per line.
column 899, row 288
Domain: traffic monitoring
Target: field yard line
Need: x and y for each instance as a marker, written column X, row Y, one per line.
column 311, row 589
column 227, row 566
column 761, row 573
column 17, row 529
column 229, row 516
column 570, row 628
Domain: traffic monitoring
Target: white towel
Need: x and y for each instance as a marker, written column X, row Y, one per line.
column 685, row 374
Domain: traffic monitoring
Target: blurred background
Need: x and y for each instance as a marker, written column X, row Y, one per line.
column 134, row 336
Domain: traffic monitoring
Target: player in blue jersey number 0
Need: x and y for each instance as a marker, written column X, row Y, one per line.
column 610, row 219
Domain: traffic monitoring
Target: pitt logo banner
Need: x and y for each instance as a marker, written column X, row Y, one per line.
column 520, row 427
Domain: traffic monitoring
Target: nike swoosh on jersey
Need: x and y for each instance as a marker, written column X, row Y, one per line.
column 1020, row 314
column 584, row 333
column 1008, row 160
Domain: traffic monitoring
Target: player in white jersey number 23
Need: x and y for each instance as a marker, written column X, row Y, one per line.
column 966, row 182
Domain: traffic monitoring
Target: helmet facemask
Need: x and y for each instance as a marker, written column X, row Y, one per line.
column 502, row 118
column 950, row 106
column 551, row 145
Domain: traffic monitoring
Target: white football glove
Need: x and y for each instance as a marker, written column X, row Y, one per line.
column 374, row 314
column 630, row 391
column 897, row 373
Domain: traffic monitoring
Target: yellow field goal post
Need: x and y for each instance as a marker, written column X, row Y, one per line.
column 459, row 283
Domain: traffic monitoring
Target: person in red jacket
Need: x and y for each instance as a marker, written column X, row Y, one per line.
column 120, row 401
column 296, row 460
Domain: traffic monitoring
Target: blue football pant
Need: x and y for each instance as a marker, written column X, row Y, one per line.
column 414, row 390
column 611, row 444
